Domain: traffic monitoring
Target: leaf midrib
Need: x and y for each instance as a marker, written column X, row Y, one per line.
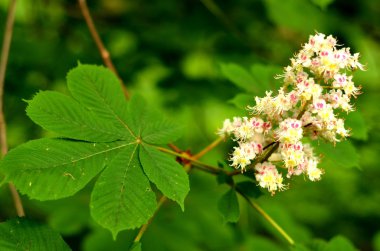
column 110, row 107
column 79, row 159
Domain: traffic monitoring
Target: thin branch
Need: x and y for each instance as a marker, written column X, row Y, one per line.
column 197, row 163
column 267, row 218
column 98, row 41
column 3, row 67
column 162, row 200
column 208, row 148
column 142, row 230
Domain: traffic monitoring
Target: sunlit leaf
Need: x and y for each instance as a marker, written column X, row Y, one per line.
column 99, row 90
column 48, row 169
column 63, row 115
column 165, row 173
column 122, row 197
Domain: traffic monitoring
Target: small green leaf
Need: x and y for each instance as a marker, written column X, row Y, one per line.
column 242, row 100
column 357, row 124
column 343, row 154
column 165, row 173
column 223, row 178
column 228, row 206
column 122, row 197
column 249, row 188
column 264, row 76
column 23, row 234
column 99, row 90
column 49, row 169
column 339, row 243
column 238, row 76
column 61, row 114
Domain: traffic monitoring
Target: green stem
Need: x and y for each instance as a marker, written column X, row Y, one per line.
column 209, row 148
column 196, row 163
column 142, row 230
column 267, row 218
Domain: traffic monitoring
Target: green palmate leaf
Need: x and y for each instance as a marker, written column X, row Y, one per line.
column 228, row 206
column 23, row 234
column 343, row 154
column 63, row 115
column 99, row 90
column 239, row 76
column 47, row 169
column 149, row 125
column 165, row 173
column 122, row 197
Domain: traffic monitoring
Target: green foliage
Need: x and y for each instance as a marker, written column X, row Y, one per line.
column 63, row 115
column 343, row 154
column 339, row 243
column 249, row 189
column 239, row 76
column 49, row 169
column 228, row 206
column 357, row 124
column 136, row 247
column 23, row 234
column 103, row 131
column 242, row 100
column 122, row 197
column 165, row 173
column 323, row 3
column 173, row 66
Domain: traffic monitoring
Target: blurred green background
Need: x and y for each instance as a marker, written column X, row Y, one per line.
column 172, row 52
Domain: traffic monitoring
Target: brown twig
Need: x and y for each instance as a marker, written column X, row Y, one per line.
column 3, row 67
column 98, row 41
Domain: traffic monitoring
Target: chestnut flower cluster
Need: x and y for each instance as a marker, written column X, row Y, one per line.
column 317, row 88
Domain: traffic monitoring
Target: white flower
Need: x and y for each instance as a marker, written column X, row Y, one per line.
column 268, row 177
column 318, row 86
